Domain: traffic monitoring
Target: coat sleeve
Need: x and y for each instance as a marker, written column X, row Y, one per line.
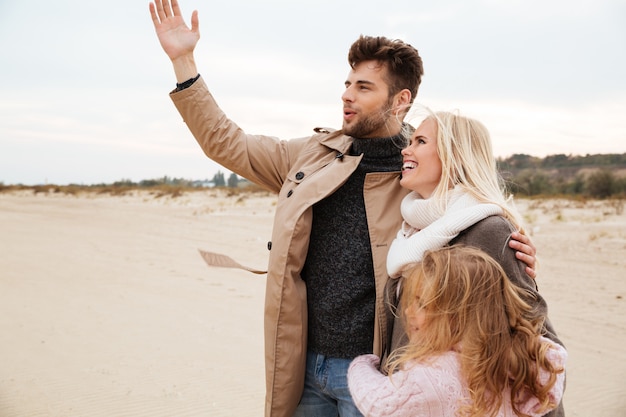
column 557, row 356
column 492, row 235
column 264, row 160
column 376, row 395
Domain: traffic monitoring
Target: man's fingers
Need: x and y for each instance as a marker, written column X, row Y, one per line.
column 520, row 237
column 528, row 260
column 195, row 24
column 167, row 11
column 159, row 11
column 153, row 14
column 526, row 249
column 175, row 8
column 522, row 245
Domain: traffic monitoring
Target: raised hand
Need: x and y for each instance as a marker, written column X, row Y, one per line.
column 177, row 40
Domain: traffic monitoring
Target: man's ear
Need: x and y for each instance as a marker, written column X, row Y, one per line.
column 402, row 102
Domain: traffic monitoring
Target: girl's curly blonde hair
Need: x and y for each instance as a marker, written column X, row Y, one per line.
column 471, row 306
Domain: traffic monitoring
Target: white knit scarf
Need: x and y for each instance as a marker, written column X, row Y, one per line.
column 426, row 227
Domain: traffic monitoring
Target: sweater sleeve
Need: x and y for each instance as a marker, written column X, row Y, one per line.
column 557, row 356
column 376, row 395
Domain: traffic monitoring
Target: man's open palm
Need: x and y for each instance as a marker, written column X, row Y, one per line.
column 174, row 35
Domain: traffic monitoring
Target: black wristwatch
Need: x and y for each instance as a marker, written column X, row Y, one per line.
column 186, row 84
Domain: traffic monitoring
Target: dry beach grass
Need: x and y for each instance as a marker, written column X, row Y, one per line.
column 108, row 309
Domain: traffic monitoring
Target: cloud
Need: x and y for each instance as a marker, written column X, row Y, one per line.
column 85, row 96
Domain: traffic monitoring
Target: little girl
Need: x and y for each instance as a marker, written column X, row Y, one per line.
column 475, row 347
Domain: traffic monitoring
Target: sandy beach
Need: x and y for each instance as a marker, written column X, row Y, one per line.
column 107, row 308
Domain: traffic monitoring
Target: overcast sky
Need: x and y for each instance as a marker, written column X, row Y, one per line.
column 84, row 85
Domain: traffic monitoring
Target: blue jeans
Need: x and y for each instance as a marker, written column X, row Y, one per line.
column 326, row 391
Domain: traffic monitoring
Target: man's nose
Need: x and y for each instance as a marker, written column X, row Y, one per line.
column 347, row 95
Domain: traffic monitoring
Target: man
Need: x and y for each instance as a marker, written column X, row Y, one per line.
column 338, row 210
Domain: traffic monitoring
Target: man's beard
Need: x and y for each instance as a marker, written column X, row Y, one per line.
column 372, row 123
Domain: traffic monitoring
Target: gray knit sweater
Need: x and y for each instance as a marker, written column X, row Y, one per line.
column 338, row 271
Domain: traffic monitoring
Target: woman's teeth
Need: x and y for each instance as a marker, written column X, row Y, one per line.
column 409, row 165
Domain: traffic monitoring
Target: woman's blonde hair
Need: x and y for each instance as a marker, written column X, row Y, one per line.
column 471, row 306
column 467, row 160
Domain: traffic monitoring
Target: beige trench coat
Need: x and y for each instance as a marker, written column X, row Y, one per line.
column 302, row 172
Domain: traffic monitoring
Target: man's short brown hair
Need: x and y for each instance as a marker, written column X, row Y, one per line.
column 404, row 65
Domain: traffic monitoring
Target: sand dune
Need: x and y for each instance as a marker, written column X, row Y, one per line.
column 109, row 310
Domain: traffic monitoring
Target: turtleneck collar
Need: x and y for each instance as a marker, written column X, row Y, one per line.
column 378, row 147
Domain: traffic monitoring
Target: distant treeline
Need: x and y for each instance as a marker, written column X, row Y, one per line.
column 218, row 180
column 590, row 176
column 594, row 176
column 164, row 186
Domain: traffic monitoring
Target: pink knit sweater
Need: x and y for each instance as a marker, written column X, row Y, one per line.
column 433, row 390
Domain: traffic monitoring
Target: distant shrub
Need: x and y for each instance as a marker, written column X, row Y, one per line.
column 600, row 184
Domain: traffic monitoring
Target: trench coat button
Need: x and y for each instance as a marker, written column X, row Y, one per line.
column 269, row 245
column 289, row 193
column 299, row 175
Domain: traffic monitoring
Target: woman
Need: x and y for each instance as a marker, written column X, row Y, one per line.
column 457, row 197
